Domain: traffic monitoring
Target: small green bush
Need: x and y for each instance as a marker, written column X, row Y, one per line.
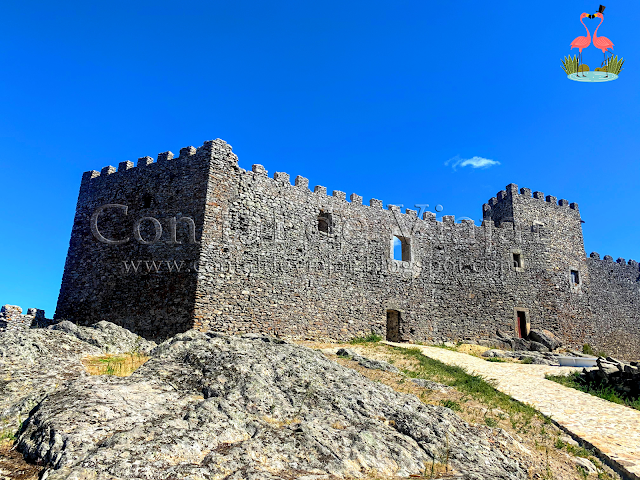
column 495, row 360
column 587, row 349
column 570, row 65
column 452, row 404
column 575, row 380
column 491, row 422
column 614, row 65
column 527, row 360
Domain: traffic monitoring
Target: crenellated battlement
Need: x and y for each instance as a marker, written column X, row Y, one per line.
column 511, row 194
column 210, row 147
column 608, row 260
column 12, row 318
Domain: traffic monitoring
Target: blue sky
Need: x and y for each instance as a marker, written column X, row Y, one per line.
column 396, row 100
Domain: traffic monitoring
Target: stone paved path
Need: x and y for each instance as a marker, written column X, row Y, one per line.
column 612, row 429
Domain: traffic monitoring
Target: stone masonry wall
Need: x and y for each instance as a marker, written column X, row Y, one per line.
column 135, row 244
column 274, row 256
column 11, row 318
column 614, row 298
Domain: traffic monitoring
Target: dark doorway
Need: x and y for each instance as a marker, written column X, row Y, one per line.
column 393, row 325
column 522, row 324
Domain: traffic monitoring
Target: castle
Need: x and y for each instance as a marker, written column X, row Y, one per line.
column 198, row 242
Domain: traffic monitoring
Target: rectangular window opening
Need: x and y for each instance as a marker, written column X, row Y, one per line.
column 575, row 277
column 517, row 260
column 401, row 249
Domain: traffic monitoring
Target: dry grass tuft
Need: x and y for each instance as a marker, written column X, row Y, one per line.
column 121, row 365
column 13, row 466
column 475, row 350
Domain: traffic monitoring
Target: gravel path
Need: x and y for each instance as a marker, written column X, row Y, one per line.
column 613, row 430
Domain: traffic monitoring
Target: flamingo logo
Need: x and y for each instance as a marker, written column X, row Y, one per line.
column 582, row 42
column 575, row 67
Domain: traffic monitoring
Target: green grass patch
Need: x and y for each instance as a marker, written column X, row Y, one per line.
column 574, row 380
column 371, row 338
column 490, row 422
column 588, row 350
column 7, row 435
column 446, row 347
column 496, row 360
column 473, row 385
column 527, row 360
column 452, row 404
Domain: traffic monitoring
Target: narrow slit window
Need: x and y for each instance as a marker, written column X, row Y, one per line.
column 575, row 277
column 517, row 260
column 401, row 249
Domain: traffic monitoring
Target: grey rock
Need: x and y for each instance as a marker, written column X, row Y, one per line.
column 367, row 362
column 520, row 344
column 607, row 368
column 493, row 353
column 537, row 347
column 346, row 352
column 33, row 363
column 212, row 406
column 568, row 440
column 109, row 337
column 375, row 364
column 546, row 338
column 589, row 467
column 613, row 360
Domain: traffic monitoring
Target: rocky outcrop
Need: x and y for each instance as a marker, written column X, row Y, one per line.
column 109, row 337
column 622, row 377
column 538, row 358
column 546, row 338
column 215, row 406
column 537, row 341
column 33, row 363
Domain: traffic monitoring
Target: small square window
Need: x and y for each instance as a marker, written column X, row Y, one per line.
column 575, row 277
column 517, row 260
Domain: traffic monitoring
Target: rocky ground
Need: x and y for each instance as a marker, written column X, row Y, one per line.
column 214, row 406
column 210, row 406
column 542, row 449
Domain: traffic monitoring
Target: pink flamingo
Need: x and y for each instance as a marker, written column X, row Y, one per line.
column 582, row 42
column 603, row 43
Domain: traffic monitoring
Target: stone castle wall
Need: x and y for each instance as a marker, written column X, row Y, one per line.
column 11, row 318
column 275, row 256
column 614, row 299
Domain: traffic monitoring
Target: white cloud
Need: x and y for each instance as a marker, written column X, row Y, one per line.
column 475, row 162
